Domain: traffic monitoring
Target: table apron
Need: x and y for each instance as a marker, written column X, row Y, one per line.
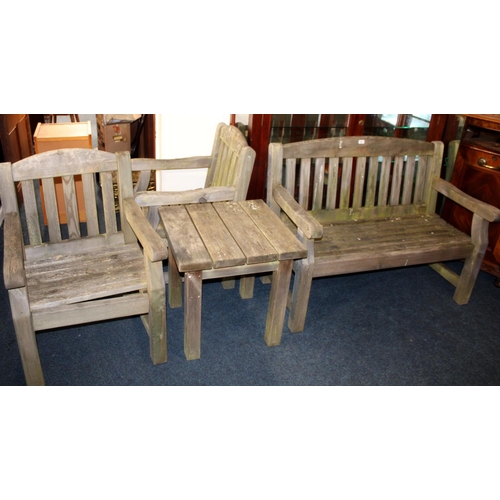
column 263, row 267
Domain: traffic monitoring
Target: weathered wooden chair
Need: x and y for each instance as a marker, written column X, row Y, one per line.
column 59, row 275
column 229, row 171
column 367, row 203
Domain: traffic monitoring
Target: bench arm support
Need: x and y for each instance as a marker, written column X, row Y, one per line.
column 311, row 228
column 13, row 265
column 154, row 247
column 484, row 210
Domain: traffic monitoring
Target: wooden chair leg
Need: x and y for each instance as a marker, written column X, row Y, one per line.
column 247, row 284
column 26, row 337
column 157, row 317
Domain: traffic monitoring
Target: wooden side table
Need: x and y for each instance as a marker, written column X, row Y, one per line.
column 52, row 136
column 227, row 239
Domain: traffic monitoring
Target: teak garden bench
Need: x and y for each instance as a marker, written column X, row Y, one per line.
column 367, row 203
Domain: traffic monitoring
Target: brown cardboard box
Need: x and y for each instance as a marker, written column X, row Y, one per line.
column 116, row 132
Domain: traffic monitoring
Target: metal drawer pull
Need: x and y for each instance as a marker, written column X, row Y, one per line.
column 483, row 163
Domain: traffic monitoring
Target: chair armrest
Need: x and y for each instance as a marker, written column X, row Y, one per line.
column 13, row 263
column 201, row 195
column 305, row 222
column 154, row 246
column 484, row 210
column 171, row 164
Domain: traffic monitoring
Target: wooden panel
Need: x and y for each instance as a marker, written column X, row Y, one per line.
column 221, row 246
column 250, row 239
column 184, row 240
column 284, row 241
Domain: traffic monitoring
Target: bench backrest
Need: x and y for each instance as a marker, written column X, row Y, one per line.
column 360, row 177
column 68, row 176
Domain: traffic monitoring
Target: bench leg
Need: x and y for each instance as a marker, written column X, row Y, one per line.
column 277, row 303
column 26, row 337
column 304, row 270
column 472, row 265
column 192, row 314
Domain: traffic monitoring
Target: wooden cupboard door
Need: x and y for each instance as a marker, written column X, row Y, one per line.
column 15, row 134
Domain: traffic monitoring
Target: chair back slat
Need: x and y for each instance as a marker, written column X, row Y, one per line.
column 108, row 201
column 51, row 213
column 89, row 193
column 71, row 205
column 31, row 212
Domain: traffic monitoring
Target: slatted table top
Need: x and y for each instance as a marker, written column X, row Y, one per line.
column 226, row 234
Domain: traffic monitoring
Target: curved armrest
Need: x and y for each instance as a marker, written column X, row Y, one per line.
column 200, row 195
column 13, row 263
column 305, row 222
column 154, row 246
column 484, row 210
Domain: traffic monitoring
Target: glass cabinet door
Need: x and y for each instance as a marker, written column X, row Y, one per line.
column 391, row 125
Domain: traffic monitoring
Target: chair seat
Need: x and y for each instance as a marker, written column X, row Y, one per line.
column 75, row 277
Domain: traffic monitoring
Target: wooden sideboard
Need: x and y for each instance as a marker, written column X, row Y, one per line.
column 477, row 172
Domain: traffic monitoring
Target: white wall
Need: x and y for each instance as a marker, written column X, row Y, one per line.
column 181, row 136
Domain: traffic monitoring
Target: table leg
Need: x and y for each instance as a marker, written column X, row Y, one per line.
column 192, row 314
column 280, row 284
column 174, row 282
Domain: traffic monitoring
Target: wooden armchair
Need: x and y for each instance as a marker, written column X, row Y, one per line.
column 229, row 171
column 367, row 203
column 59, row 275
column 229, row 166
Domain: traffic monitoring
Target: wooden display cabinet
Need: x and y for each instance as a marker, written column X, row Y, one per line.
column 477, row 173
column 53, row 136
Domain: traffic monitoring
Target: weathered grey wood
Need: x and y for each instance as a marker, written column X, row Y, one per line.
column 88, row 183
column 221, row 246
column 25, row 334
column 223, row 240
column 49, row 195
column 184, row 241
column 133, row 304
column 152, row 244
column 379, row 212
column 13, row 261
column 304, row 273
column 251, row 241
column 192, row 314
column 286, row 245
column 68, row 183
column 276, row 310
column 157, row 314
column 174, row 282
column 203, row 195
column 71, row 279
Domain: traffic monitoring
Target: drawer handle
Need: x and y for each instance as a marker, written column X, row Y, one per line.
column 483, row 163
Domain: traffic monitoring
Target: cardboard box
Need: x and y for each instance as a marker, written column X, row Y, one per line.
column 116, row 132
